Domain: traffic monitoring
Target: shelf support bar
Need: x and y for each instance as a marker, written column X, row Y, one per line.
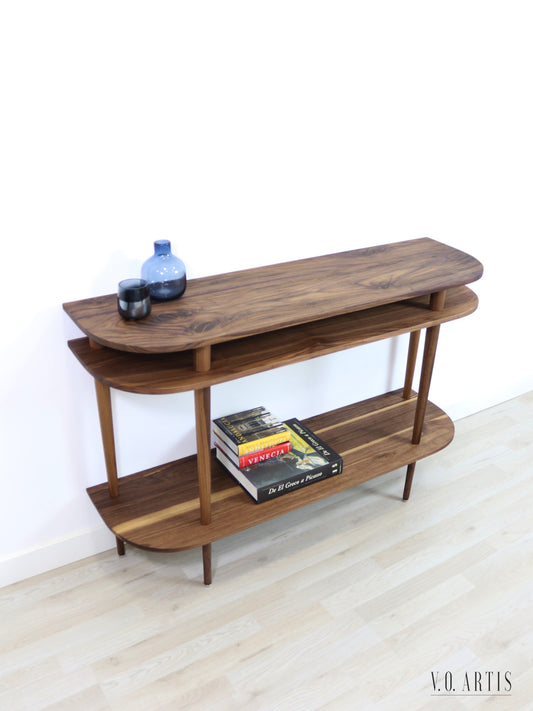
column 436, row 303
column 202, row 407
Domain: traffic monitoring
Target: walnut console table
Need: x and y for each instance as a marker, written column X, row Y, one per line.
column 233, row 325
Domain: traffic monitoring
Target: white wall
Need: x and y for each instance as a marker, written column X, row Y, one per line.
column 247, row 133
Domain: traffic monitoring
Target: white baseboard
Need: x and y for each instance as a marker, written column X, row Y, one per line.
column 481, row 400
column 54, row 554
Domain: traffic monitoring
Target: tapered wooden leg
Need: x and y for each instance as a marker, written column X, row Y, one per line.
column 430, row 348
column 202, row 406
column 414, row 339
column 206, row 554
column 105, row 413
column 103, row 398
column 408, row 481
column 436, row 303
column 203, row 441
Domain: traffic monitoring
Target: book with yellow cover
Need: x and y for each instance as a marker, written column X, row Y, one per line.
column 250, row 431
column 254, row 457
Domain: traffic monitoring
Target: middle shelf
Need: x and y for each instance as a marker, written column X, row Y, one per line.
column 174, row 372
column 159, row 508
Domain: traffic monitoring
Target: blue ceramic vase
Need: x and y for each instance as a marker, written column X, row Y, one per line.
column 164, row 272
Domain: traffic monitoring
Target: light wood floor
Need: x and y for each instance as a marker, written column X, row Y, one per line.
column 350, row 604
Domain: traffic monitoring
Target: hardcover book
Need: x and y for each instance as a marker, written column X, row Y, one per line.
column 254, row 457
column 250, row 431
column 310, row 460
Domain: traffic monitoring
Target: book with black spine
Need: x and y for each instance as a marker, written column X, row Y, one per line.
column 310, row 460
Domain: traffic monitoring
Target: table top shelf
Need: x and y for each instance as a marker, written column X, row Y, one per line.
column 158, row 508
column 174, row 372
column 225, row 307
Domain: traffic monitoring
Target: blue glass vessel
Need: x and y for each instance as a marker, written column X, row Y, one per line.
column 164, row 272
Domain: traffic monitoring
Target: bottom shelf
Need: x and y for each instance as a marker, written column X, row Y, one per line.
column 159, row 509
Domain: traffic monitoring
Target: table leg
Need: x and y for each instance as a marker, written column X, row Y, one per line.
column 202, row 406
column 206, row 555
column 103, row 398
column 203, row 443
column 414, row 338
column 408, row 481
column 105, row 413
column 430, row 348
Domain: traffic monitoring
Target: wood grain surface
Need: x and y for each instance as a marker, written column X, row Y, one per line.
column 229, row 306
column 175, row 372
column 159, row 508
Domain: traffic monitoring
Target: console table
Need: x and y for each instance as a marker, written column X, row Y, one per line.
column 232, row 325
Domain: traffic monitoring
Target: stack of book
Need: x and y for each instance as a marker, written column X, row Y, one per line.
column 251, row 436
column 270, row 458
